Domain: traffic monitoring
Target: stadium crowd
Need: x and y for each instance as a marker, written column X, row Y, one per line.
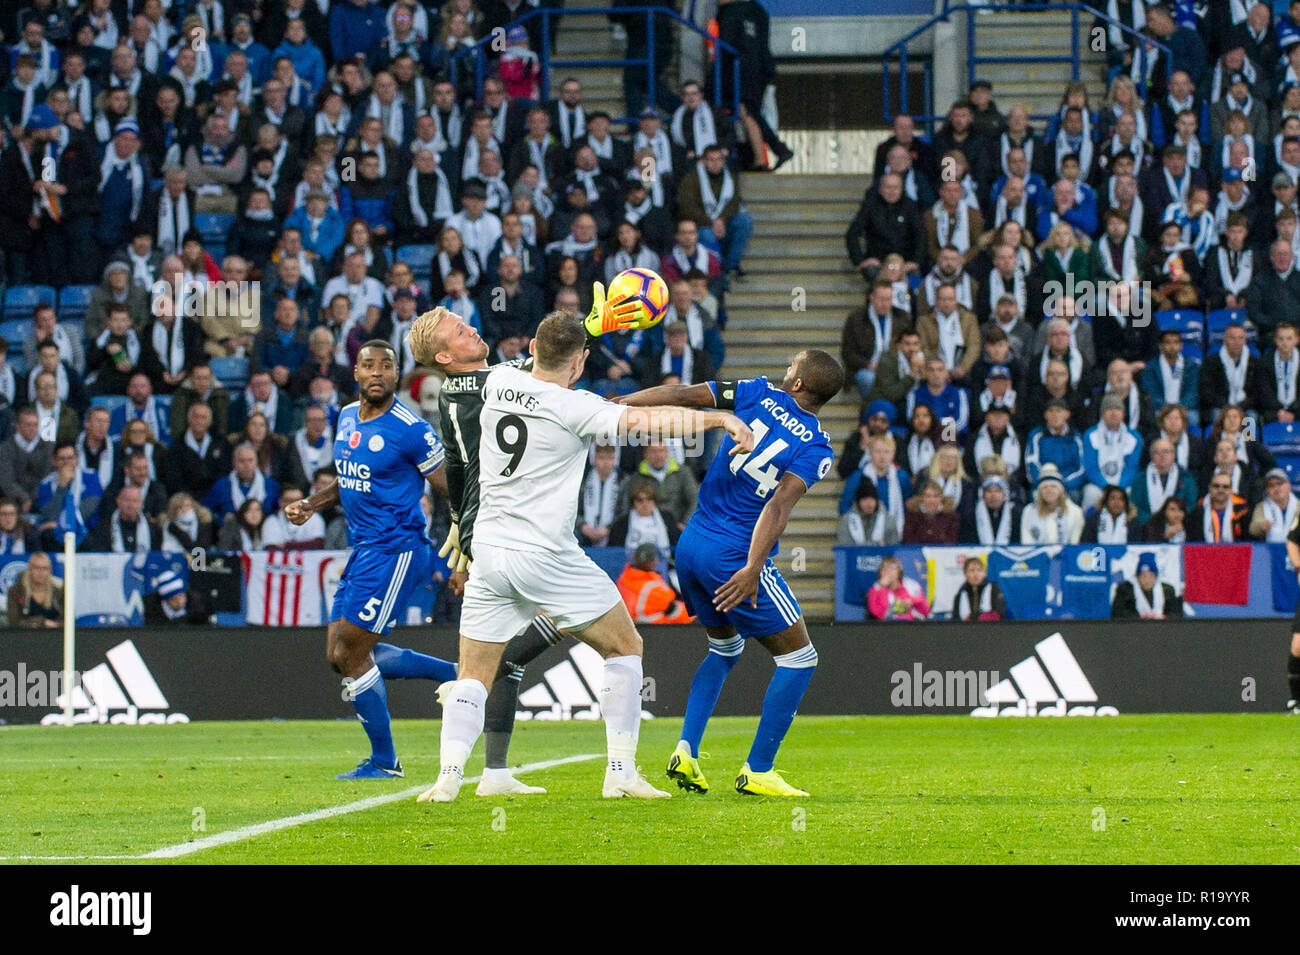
column 207, row 206
column 1086, row 331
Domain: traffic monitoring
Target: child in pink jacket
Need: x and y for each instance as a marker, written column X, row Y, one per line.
column 895, row 597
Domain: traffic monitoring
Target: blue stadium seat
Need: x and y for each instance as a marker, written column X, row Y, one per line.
column 1187, row 322
column 74, row 300
column 1193, row 350
column 111, row 402
column 14, row 330
column 1290, row 463
column 231, row 372
column 21, row 300
column 914, row 282
column 419, row 258
column 1282, row 437
column 17, row 361
column 1216, row 323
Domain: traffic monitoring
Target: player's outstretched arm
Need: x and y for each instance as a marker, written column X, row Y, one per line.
column 743, row 584
column 438, row 479
column 322, row 500
column 683, row 396
column 661, row 423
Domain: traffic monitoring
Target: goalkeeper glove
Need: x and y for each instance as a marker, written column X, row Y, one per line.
column 450, row 550
column 608, row 318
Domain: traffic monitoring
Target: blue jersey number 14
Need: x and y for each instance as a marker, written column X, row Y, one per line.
column 757, row 466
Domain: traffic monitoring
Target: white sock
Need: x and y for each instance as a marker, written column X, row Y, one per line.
column 498, row 775
column 462, row 722
column 686, row 746
column 620, row 705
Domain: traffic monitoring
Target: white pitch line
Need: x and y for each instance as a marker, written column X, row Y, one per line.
column 289, row 822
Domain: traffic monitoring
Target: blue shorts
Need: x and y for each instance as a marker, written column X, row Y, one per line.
column 705, row 564
column 375, row 587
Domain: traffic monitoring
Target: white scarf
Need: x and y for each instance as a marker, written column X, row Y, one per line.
column 266, row 408
column 883, row 326
column 256, row 489
column 661, row 147
column 1236, row 374
column 1247, row 138
column 1010, row 451
column 1111, row 529
column 984, row 524
column 688, row 365
column 714, row 205
column 998, row 288
column 60, row 381
column 135, row 172
column 634, row 214
column 1120, row 39
column 189, row 84
column 951, row 342
column 1286, row 378
column 187, row 525
column 1207, row 525
column 588, row 179
column 699, row 261
column 858, row 530
column 1159, row 491
column 902, row 296
column 952, row 229
column 471, row 266
column 642, row 530
column 132, row 348
column 962, row 287
column 1112, row 448
column 324, row 126
column 171, row 352
column 1084, row 152
column 891, row 500
column 1129, row 271
column 600, row 499
column 579, row 116
column 1156, row 605
column 1281, row 520
column 450, row 130
column 8, row 386
column 963, row 609
column 1180, row 447
column 142, row 542
column 701, row 126
column 1172, row 378
column 395, row 128
column 1005, row 145
column 1178, row 190
column 1049, row 530
column 200, row 449
column 313, row 457
column 1002, row 212
column 442, row 203
column 920, row 452
column 694, row 323
column 1075, row 361
column 106, row 463
column 173, row 222
column 1245, row 271
column 141, row 271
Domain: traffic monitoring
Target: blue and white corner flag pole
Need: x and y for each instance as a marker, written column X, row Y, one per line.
column 69, row 621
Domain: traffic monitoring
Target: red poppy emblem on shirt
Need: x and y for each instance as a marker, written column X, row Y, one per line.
column 354, row 439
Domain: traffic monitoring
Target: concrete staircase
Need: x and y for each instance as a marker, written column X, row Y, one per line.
column 1026, row 32
column 798, row 250
column 590, row 38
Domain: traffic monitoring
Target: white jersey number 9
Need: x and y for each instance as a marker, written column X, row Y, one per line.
column 756, row 465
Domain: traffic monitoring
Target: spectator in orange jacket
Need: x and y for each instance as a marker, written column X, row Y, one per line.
column 648, row 597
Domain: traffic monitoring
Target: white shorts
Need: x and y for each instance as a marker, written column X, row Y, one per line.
column 508, row 588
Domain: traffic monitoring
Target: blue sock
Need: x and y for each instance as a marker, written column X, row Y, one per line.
column 396, row 663
column 706, row 686
column 370, row 700
column 784, row 691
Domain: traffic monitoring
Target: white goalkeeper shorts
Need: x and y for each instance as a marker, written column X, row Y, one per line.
column 508, row 588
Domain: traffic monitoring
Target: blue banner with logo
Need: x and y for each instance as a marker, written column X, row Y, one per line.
column 1025, row 576
column 1286, row 589
column 861, row 571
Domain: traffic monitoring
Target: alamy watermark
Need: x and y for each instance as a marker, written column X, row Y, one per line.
column 1130, row 300
column 29, row 688
column 919, row 688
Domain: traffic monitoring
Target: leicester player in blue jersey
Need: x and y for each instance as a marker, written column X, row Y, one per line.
column 724, row 556
column 384, row 454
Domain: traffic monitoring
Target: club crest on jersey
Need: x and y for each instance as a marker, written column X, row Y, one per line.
column 376, row 443
column 354, row 439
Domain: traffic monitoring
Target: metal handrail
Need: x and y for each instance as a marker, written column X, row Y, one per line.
column 899, row 49
column 547, row 61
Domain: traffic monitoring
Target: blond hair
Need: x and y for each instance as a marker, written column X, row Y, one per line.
column 423, row 336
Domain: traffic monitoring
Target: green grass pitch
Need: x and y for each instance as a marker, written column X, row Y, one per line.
column 1131, row 789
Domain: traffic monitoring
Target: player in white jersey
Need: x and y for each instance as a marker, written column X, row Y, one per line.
column 535, row 435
